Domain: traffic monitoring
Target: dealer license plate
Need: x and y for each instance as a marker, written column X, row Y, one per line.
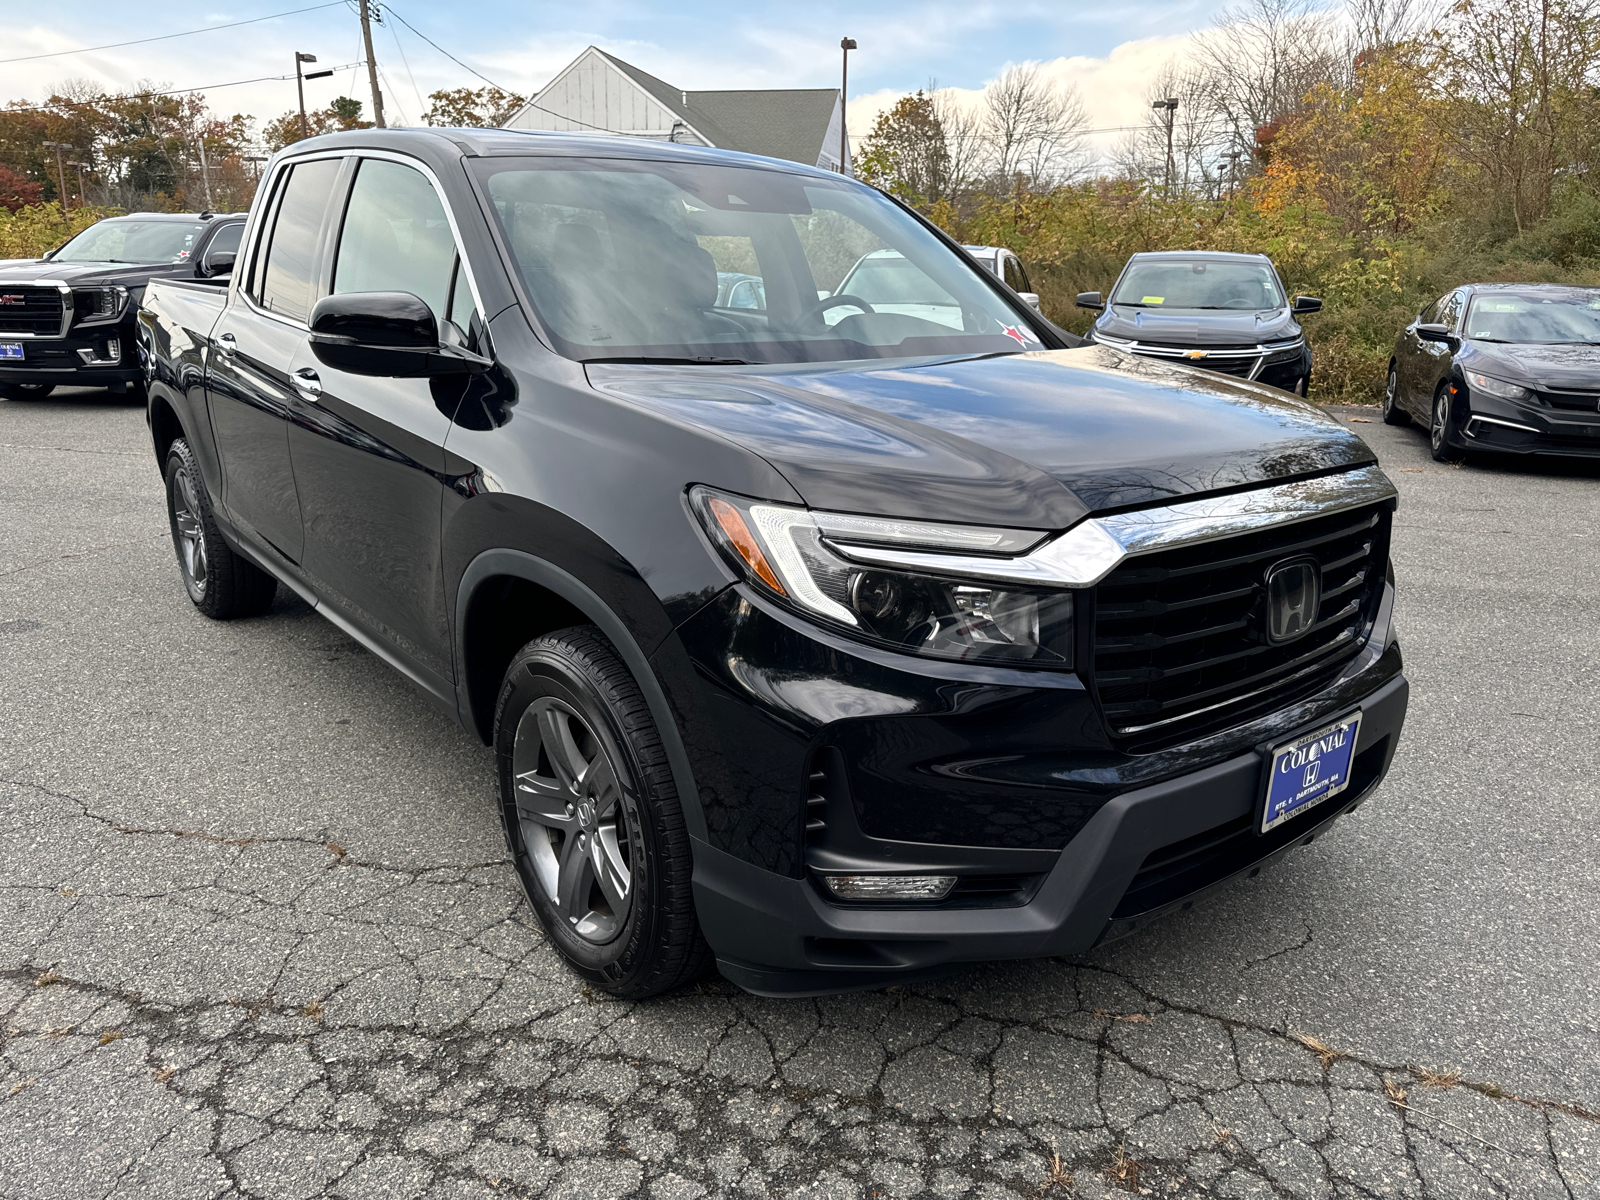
column 1309, row 770
column 10, row 350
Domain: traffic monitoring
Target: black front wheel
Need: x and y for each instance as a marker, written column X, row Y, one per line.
column 1444, row 430
column 26, row 391
column 592, row 816
column 1393, row 414
column 222, row 584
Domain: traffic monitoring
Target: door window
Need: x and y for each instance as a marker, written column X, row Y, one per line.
column 396, row 238
column 287, row 283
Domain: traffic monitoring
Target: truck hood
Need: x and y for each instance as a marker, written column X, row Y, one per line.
column 1575, row 367
column 1036, row 440
column 28, row 270
column 1197, row 327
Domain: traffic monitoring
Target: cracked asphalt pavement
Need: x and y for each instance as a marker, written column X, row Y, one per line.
column 260, row 937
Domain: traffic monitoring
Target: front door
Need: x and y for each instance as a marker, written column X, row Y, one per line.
column 252, row 349
column 368, row 452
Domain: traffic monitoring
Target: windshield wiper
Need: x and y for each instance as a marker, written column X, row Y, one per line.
column 697, row 361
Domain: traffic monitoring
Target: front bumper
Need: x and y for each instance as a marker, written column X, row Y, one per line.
column 1144, row 854
column 102, row 357
column 1509, row 427
column 1013, row 788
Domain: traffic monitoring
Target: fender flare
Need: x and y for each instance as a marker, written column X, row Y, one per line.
column 582, row 597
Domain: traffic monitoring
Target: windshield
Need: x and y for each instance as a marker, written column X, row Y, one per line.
column 709, row 263
column 1561, row 319
column 134, row 242
column 1187, row 284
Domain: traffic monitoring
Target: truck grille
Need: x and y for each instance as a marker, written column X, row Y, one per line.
column 1180, row 644
column 28, row 308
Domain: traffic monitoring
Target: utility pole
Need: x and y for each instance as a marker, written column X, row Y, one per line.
column 372, row 64
column 1171, row 105
column 61, row 171
column 205, row 171
column 1233, row 157
column 845, row 45
column 300, row 86
column 82, row 199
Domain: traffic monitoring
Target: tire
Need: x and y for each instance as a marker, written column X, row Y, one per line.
column 1302, row 386
column 592, row 817
column 26, row 391
column 1393, row 414
column 222, row 584
column 1442, row 428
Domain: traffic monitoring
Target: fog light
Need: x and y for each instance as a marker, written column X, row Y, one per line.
column 890, row 887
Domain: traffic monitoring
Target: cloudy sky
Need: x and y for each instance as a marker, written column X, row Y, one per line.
column 1109, row 51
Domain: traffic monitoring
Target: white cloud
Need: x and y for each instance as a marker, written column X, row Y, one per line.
column 1112, row 87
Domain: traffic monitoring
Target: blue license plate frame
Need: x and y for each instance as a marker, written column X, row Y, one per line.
column 12, row 352
column 1304, row 772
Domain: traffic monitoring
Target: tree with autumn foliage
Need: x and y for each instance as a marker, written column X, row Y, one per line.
column 344, row 113
column 469, row 108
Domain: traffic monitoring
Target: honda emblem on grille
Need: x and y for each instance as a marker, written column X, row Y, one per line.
column 13, row 299
column 1294, row 594
column 1196, row 353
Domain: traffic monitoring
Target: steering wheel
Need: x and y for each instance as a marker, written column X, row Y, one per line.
column 814, row 313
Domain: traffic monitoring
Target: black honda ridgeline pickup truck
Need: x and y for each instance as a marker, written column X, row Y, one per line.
column 838, row 645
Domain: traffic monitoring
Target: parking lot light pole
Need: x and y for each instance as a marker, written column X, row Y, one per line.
column 1171, row 105
column 61, row 171
column 845, row 45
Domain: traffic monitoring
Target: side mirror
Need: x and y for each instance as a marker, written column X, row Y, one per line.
column 1031, row 299
column 1435, row 332
column 1305, row 304
column 49, row 254
column 388, row 334
column 218, row 262
column 1091, row 300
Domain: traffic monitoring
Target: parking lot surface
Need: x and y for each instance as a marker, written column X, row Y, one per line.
column 260, row 937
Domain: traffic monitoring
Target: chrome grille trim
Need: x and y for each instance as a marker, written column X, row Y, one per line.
column 1089, row 551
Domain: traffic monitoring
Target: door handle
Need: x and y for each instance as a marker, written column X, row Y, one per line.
column 307, row 383
column 228, row 344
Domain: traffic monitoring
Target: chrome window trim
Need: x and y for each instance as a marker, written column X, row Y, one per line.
column 1089, row 551
column 66, row 309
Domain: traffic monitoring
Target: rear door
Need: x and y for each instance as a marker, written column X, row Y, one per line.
column 368, row 452
column 252, row 350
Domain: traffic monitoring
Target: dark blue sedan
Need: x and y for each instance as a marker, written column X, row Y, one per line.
column 1509, row 367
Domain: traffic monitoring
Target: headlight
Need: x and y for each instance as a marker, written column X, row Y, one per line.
column 98, row 303
column 1107, row 340
column 803, row 559
column 1498, row 388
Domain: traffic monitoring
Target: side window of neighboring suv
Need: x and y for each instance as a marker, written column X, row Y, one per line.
column 286, row 284
column 1015, row 279
column 396, row 237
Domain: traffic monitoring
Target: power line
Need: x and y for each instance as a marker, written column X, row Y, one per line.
column 167, row 36
column 210, row 87
column 389, row 8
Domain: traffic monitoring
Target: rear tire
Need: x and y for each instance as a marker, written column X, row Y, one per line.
column 1442, row 429
column 1393, row 414
column 592, row 816
column 26, row 391
column 222, row 584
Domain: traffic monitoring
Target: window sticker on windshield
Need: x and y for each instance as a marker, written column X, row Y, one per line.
column 1154, row 300
column 1499, row 306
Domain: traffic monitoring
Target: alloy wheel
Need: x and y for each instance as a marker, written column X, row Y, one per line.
column 578, row 818
column 189, row 533
column 1390, row 387
column 1441, row 418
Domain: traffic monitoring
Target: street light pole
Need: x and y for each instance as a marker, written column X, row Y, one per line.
column 61, row 171
column 845, row 45
column 1171, row 105
column 300, row 87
